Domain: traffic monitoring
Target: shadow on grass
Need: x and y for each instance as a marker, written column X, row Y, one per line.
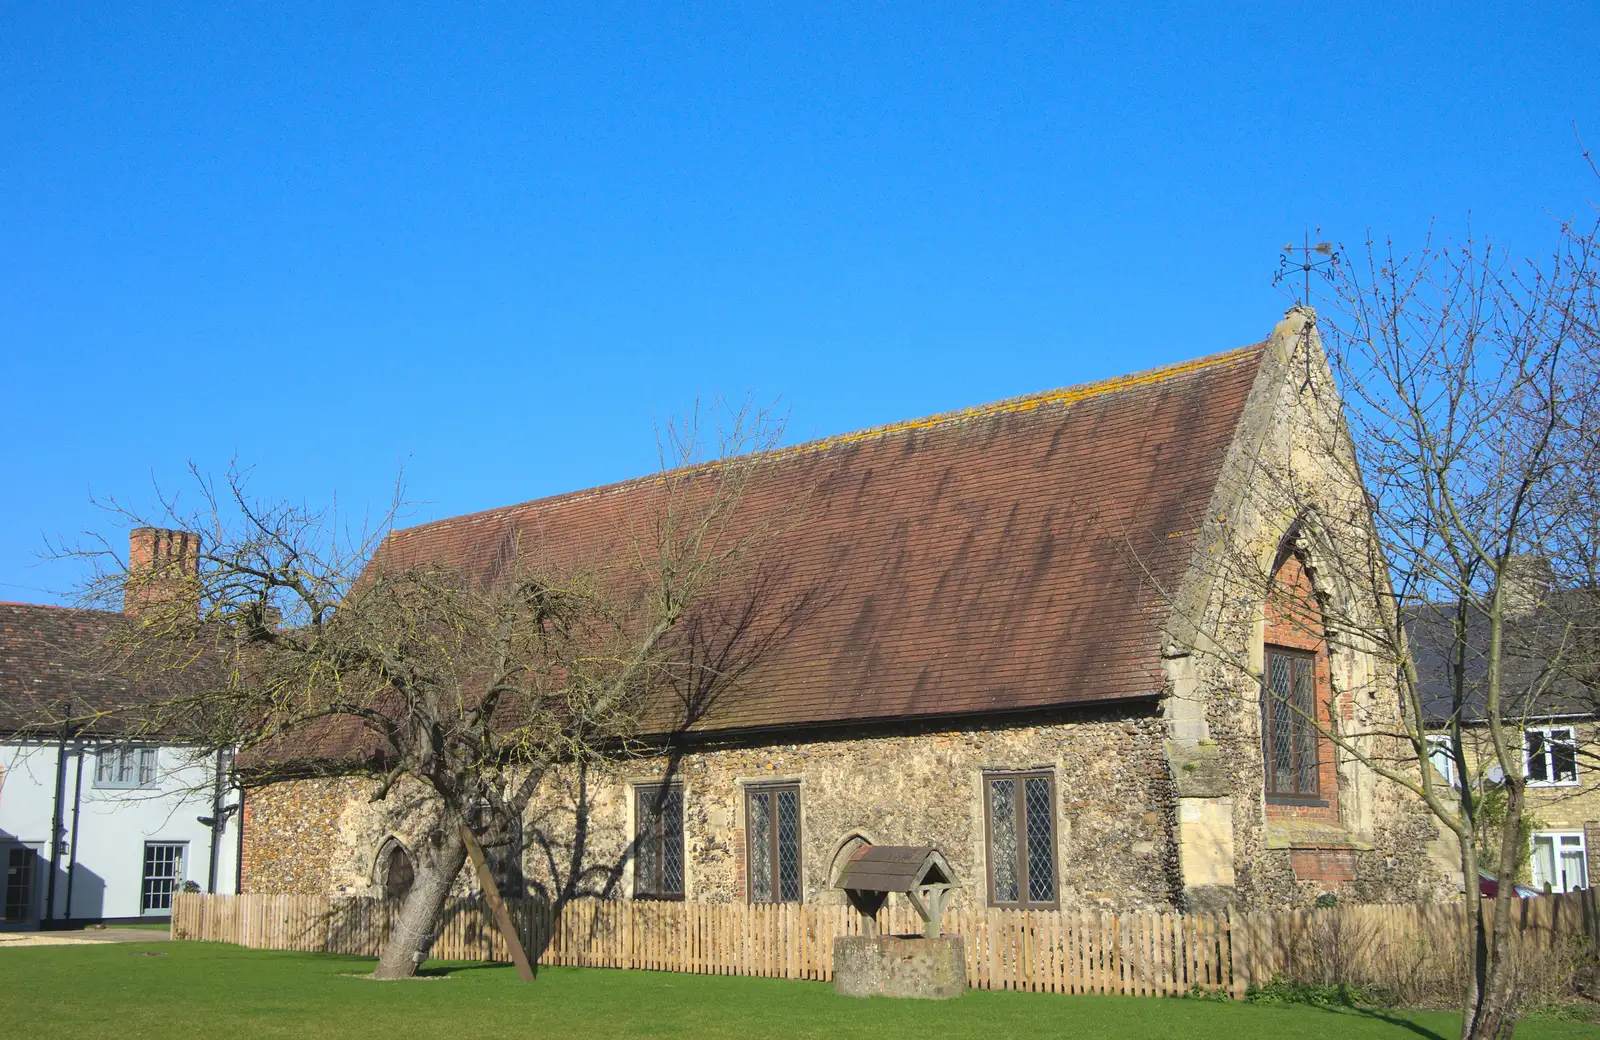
column 1389, row 1018
column 444, row 971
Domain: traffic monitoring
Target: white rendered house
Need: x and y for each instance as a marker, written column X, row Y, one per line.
column 94, row 828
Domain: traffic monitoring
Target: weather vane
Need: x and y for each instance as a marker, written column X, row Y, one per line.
column 1306, row 258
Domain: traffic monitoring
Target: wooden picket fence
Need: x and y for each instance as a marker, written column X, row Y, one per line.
column 1136, row 954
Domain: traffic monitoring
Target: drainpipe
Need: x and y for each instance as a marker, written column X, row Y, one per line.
column 238, row 851
column 217, row 822
column 56, row 827
column 72, row 845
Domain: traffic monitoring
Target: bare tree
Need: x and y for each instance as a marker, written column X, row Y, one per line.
column 1469, row 383
column 313, row 648
column 1459, row 460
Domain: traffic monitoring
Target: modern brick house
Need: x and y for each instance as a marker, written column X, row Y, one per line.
column 979, row 634
column 1550, row 719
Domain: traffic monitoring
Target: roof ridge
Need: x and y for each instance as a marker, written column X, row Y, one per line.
column 1065, row 396
column 56, row 606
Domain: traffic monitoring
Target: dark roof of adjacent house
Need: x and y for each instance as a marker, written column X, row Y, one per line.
column 1001, row 558
column 46, row 671
column 1535, row 681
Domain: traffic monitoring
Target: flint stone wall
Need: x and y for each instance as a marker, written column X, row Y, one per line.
column 900, row 966
column 905, row 785
column 1115, row 816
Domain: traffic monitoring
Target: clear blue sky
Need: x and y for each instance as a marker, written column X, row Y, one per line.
column 499, row 244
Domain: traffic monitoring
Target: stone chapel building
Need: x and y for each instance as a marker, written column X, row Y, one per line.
column 997, row 647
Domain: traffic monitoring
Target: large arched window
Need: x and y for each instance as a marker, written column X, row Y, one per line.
column 395, row 872
column 1295, row 689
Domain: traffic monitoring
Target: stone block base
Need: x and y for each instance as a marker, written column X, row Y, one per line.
column 900, row 966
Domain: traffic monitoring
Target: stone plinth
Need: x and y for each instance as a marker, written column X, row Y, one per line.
column 900, row 966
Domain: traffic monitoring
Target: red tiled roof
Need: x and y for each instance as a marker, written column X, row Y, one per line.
column 1000, row 558
column 45, row 675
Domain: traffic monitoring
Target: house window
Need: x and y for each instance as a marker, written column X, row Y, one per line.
column 1550, row 756
column 658, row 842
column 1288, row 730
column 1560, row 862
column 125, row 766
column 1442, row 756
column 772, row 835
column 19, row 865
column 163, row 873
column 1021, row 828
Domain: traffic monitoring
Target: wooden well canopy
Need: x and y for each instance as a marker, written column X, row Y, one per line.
column 918, row 872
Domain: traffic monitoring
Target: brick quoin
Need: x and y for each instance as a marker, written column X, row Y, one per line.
column 1294, row 621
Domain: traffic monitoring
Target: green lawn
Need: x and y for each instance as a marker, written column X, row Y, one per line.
column 204, row 990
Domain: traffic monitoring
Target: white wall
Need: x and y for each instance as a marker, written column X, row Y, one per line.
column 113, row 826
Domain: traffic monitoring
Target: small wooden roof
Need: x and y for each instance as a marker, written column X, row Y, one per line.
column 895, row 868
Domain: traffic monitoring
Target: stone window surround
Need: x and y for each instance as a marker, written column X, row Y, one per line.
column 980, row 829
column 635, row 789
column 741, row 788
column 1269, row 632
column 1310, row 657
column 630, row 803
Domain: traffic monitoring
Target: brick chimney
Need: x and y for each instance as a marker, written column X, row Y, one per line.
column 162, row 567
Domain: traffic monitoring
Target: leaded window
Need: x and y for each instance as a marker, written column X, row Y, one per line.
column 1020, row 813
column 1288, row 724
column 658, row 842
column 772, row 838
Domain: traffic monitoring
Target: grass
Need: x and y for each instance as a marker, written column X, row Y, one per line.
column 182, row 990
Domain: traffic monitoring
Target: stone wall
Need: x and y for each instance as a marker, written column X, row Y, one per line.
column 891, row 786
column 292, row 834
column 1290, row 516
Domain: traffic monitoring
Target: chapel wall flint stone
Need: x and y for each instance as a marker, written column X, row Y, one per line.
column 900, row 966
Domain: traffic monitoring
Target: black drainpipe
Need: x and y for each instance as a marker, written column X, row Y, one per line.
column 217, row 823
column 56, row 827
column 72, row 846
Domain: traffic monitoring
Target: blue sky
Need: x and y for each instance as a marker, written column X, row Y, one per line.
column 498, row 244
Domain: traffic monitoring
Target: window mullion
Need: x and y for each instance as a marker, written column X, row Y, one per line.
column 774, row 834
column 1024, row 883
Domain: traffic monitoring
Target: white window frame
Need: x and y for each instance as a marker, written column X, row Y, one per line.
column 1442, row 752
column 1557, row 840
column 131, row 767
column 180, row 875
column 1548, row 755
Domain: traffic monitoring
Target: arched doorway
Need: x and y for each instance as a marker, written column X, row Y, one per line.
column 395, row 872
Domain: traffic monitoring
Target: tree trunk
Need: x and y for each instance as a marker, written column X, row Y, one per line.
column 1493, row 1016
column 1477, row 937
column 408, row 942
